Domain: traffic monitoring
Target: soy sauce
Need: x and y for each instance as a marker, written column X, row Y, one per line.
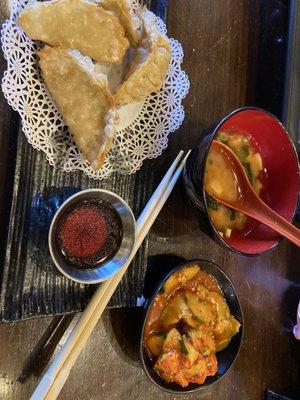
column 89, row 233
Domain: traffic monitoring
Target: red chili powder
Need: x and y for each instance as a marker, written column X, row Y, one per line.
column 83, row 232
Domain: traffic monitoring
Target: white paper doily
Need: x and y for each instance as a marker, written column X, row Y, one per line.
column 146, row 136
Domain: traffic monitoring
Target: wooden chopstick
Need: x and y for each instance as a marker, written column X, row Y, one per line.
column 58, row 372
column 108, row 292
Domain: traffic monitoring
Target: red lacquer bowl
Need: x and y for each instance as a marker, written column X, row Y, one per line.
column 282, row 174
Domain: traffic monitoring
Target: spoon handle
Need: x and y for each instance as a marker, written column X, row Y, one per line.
column 267, row 216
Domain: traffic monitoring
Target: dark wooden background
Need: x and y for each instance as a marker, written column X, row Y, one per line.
column 219, row 39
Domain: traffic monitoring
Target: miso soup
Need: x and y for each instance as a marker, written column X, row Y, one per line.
column 224, row 218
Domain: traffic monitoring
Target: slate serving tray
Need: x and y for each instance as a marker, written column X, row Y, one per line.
column 30, row 285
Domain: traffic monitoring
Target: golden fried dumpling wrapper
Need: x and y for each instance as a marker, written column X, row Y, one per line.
column 76, row 24
column 124, row 11
column 83, row 99
column 150, row 63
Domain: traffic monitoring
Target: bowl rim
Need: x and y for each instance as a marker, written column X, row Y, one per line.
column 218, row 125
column 62, row 208
column 150, row 302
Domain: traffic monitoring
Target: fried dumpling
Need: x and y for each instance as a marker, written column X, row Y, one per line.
column 124, row 11
column 150, row 63
column 76, row 24
column 83, row 99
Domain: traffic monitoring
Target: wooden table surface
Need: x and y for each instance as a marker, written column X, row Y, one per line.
column 218, row 37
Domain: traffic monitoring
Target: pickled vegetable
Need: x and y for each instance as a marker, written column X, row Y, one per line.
column 221, row 344
column 170, row 285
column 197, row 369
column 188, row 323
column 190, row 272
column 201, row 291
column 154, row 344
column 203, row 340
column 172, row 340
column 204, row 311
column 176, row 310
column 220, row 304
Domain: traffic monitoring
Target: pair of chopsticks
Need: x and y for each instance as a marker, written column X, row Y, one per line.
column 55, row 377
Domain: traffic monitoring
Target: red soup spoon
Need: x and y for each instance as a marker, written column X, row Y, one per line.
column 246, row 200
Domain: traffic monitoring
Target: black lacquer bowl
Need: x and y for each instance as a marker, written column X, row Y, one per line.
column 225, row 357
column 282, row 178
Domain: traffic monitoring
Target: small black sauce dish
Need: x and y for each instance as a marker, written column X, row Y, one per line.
column 225, row 357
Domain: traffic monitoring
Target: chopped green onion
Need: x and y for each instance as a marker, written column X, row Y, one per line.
column 212, row 203
column 248, row 172
column 245, row 151
column 232, row 215
column 199, row 320
column 204, row 351
column 183, row 347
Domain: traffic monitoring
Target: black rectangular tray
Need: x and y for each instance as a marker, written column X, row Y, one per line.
column 30, row 285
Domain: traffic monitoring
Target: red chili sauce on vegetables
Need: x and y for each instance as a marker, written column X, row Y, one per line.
column 188, row 322
column 89, row 233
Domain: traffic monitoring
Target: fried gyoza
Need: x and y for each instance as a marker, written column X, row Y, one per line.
column 76, row 24
column 83, row 99
column 123, row 10
column 149, row 65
